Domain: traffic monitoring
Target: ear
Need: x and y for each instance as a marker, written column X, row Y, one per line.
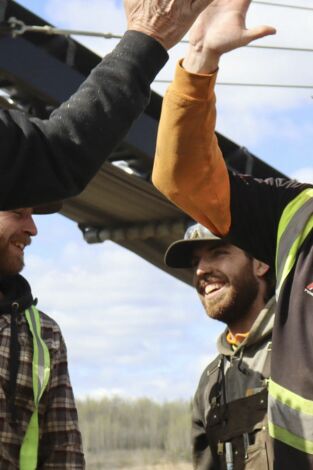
column 260, row 268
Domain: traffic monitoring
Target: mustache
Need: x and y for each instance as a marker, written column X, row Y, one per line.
column 24, row 239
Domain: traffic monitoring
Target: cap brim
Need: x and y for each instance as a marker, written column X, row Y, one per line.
column 50, row 208
column 179, row 254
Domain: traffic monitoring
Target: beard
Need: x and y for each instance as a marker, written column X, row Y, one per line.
column 234, row 303
column 11, row 263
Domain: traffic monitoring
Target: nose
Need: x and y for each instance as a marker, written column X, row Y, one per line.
column 30, row 227
column 202, row 267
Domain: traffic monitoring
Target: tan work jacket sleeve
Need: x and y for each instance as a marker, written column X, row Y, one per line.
column 189, row 168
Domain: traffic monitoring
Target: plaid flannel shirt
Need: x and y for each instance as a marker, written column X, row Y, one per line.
column 60, row 444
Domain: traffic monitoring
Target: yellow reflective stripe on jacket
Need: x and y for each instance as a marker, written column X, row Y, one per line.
column 291, row 399
column 41, row 357
column 41, row 374
column 287, row 410
column 290, row 439
column 295, row 225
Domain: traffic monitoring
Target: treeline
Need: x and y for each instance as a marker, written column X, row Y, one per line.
column 118, row 424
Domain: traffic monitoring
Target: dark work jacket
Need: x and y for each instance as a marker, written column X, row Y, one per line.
column 257, row 209
column 231, row 400
column 46, row 160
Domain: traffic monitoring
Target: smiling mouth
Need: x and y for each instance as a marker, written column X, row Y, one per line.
column 19, row 245
column 213, row 288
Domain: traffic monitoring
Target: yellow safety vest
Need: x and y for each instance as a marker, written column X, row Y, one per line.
column 41, row 374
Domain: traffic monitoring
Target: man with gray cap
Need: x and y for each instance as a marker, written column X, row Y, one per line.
column 229, row 421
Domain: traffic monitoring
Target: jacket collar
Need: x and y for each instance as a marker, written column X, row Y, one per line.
column 16, row 290
column 261, row 329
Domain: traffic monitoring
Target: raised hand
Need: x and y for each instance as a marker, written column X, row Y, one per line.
column 165, row 20
column 219, row 29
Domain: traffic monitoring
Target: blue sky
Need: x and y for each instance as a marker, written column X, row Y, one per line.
column 130, row 328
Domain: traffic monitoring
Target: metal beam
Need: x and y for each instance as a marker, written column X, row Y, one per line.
column 132, row 232
column 142, row 135
column 36, row 71
column 241, row 160
column 43, row 77
column 3, row 7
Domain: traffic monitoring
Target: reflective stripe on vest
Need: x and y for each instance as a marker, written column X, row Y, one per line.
column 295, row 225
column 290, row 418
column 290, row 415
column 41, row 374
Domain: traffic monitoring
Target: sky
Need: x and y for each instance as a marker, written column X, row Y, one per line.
column 132, row 330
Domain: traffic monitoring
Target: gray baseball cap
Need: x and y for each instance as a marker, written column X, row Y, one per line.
column 179, row 253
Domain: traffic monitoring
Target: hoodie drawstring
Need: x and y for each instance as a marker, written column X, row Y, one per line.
column 241, row 368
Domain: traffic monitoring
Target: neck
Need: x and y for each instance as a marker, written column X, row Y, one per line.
column 244, row 324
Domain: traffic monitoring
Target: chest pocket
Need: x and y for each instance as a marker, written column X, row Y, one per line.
column 238, row 434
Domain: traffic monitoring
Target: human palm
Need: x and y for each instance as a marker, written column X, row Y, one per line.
column 222, row 27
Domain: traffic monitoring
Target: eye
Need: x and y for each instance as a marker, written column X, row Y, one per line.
column 194, row 262
column 221, row 252
column 18, row 213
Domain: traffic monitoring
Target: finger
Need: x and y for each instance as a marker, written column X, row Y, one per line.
column 257, row 33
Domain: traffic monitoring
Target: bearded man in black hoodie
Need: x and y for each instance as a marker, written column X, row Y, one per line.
column 38, row 417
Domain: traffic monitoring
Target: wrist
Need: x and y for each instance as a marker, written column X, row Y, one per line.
column 145, row 29
column 200, row 61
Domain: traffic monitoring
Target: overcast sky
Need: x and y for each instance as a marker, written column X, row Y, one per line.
column 131, row 329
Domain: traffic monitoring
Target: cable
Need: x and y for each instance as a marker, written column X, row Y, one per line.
column 276, row 48
column 18, row 28
column 283, row 5
column 280, row 48
column 267, row 85
column 257, row 85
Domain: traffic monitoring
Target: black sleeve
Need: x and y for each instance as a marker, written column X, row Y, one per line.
column 256, row 208
column 42, row 161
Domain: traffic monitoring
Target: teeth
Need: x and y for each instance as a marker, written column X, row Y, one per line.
column 21, row 246
column 209, row 288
